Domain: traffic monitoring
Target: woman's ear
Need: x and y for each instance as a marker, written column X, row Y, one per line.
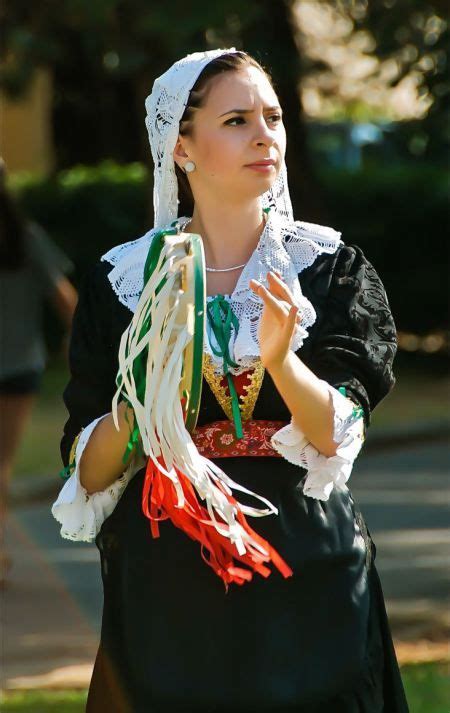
column 179, row 154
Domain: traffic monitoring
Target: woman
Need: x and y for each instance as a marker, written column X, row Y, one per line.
column 31, row 271
column 311, row 347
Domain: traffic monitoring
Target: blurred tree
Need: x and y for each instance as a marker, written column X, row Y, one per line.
column 105, row 54
column 383, row 59
column 275, row 30
column 415, row 34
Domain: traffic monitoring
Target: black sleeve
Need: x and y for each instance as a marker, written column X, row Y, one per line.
column 356, row 343
column 93, row 358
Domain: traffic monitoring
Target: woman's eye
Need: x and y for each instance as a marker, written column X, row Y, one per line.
column 236, row 118
column 277, row 117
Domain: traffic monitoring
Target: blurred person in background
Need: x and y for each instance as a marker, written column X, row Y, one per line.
column 32, row 270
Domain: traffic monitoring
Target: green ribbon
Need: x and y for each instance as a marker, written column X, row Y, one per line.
column 140, row 363
column 221, row 328
column 66, row 472
column 357, row 410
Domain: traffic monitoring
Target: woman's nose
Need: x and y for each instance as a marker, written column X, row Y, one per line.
column 264, row 135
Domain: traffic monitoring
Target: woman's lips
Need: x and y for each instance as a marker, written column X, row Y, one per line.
column 264, row 167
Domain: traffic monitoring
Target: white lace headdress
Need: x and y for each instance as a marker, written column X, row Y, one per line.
column 165, row 107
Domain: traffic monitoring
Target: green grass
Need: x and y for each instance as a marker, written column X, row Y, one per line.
column 427, row 688
column 44, row 702
column 417, row 396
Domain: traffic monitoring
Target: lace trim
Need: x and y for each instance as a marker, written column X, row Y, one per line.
column 325, row 472
column 287, row 246
column 81, row 515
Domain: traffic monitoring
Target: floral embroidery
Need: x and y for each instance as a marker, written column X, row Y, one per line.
column 218, row 439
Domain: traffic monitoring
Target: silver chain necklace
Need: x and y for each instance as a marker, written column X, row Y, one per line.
column 224, row 269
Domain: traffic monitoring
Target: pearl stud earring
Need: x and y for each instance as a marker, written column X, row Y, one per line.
column 189, row 166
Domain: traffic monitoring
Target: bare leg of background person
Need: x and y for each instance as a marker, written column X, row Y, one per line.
column 15, row 410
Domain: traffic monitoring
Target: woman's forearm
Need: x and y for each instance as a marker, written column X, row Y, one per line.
column 308, row 400
column 101, row 462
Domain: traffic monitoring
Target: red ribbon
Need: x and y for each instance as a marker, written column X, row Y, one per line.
column 159, row 502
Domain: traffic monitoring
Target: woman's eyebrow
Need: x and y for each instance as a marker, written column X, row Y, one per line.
column 249, row 111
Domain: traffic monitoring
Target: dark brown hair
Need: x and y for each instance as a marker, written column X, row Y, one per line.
column 232, row 62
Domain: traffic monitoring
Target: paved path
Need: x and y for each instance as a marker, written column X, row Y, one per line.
column 405, row 498
column 51, row 610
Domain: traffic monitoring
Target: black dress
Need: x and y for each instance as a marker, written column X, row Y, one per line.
column 172, row 640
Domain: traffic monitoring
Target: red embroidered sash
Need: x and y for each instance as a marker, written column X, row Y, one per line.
column 218, row 439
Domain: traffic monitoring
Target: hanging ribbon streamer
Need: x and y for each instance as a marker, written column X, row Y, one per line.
column 140, row 363
column 221, row 328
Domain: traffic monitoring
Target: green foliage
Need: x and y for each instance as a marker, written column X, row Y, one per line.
column 415, row 34
column 88, row 209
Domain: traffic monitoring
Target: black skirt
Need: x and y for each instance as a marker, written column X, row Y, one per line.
column 173, row 641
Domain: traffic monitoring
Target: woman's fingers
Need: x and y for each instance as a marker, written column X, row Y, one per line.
column 279, row 287
column 281, row 299
column 293, row 319
column 274, row 305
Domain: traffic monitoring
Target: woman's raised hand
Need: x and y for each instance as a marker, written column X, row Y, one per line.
column 278, row 319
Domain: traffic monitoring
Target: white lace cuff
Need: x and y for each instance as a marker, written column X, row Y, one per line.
column 80, row 514
column 325, row 472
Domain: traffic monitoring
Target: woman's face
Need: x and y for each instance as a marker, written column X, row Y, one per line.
column 239, row 126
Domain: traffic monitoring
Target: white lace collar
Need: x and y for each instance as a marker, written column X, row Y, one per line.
column 287, row 246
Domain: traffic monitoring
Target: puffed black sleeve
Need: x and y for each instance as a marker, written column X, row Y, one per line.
column 356, row 342
column 93, row 360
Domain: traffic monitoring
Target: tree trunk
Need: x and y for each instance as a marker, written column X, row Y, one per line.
column 272, row 38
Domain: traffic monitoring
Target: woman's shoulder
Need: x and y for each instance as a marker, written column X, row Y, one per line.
column 330, row 242
column 324, row 235
column 119, row 271
column 325, row 260
column 313, row 246
column 331, row 246
column 123, row 251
